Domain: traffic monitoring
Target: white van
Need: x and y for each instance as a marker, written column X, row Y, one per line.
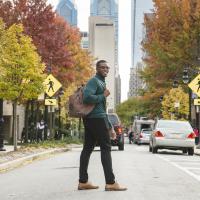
column 142, row 129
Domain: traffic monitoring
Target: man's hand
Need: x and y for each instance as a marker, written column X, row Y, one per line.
column 106, row 92
column 112, row 133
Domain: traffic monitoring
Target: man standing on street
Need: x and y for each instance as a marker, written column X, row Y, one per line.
column 97, row 127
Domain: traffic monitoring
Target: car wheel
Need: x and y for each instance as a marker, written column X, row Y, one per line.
column 190, row 151
column 184, row 150
column 154, row 149
column 121, row 147
column 150, row 148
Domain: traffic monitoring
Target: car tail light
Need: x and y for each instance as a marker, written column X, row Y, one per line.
column 158, row 134
column 191, row 136
column 119, row 130
column 141, row 136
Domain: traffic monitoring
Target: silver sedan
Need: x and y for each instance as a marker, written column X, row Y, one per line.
column 172, row 134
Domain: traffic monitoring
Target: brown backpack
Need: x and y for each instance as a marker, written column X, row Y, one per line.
column 76, row 106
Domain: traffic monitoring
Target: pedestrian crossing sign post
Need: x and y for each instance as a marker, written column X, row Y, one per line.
column 195, row 85
column 52, row 85
column 50, row 102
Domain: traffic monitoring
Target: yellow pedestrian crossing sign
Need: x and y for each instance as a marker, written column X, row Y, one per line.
column 50, row 102
column 195, row 85
column 52, row 85
column 197, row 102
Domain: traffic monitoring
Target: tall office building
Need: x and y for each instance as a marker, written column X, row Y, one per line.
column 68, row 10
column 102, row 46
column 108, row 9
column 135, row 82
column 84, row 40
column 139, row 8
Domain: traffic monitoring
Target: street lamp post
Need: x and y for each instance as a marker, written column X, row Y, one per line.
column 61, row 92
column 186, row 80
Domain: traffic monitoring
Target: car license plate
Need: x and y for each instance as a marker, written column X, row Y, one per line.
column 176, row 136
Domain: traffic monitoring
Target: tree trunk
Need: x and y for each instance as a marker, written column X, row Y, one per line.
column 14, row 131
column 79, row 127
column 26, row 121
column 1, row 125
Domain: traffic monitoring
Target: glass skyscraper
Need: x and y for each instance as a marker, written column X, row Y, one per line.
column 138, row 9
column 68, row 10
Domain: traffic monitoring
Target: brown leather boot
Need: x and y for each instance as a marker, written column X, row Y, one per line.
column 87, row 186
column 114, row 187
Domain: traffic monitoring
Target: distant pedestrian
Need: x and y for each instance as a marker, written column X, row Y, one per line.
column 130, row 136
column 196, row 131
column 40, row 130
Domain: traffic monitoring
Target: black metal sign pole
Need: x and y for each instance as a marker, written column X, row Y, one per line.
column 1, row 126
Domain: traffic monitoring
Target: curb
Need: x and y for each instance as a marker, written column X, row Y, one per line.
column 28, row 159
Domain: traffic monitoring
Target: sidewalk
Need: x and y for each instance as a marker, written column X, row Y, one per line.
column 11, row 159
column 8, row 148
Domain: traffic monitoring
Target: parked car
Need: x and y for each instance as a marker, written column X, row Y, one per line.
column 115, row 121
column 172, row 134
column 143, row 137
column 139, row 125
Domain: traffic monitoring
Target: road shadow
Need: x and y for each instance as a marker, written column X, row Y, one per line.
column 170, row 153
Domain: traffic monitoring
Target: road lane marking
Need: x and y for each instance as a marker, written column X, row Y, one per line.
column 181, row 168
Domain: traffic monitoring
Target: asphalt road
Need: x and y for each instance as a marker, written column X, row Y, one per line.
column 167, row 175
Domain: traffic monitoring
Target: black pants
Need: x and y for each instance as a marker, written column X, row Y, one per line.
column 96, row 131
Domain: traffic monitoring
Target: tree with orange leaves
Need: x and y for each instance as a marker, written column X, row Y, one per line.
column 171, row 44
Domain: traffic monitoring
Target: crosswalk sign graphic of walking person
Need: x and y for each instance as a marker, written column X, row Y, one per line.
column 195, row 85
column 52, row 85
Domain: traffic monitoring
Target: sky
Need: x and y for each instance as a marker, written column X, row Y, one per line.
column 83, row 7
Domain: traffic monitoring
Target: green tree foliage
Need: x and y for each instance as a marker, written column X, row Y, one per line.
column 175, row 104
column 131, row 108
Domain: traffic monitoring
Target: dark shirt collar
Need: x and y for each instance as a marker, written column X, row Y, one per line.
column 100, row 77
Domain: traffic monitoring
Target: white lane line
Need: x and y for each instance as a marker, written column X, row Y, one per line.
column 181, row 168
column 193, row 168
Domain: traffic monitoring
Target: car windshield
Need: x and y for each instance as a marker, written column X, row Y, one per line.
column 113, row 119
column 174, row 125
column 146, row 126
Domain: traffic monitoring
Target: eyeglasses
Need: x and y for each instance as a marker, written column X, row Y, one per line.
column 104, row 67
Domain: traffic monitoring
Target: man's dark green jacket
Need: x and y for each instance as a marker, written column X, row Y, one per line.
column 94, row 94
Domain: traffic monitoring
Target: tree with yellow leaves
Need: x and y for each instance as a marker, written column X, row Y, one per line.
column 175, row 104
column 21, row 76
